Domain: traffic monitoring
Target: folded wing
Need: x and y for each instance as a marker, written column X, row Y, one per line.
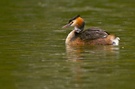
column 93, row 33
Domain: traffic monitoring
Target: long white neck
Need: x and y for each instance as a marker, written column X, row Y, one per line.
column 70, row 36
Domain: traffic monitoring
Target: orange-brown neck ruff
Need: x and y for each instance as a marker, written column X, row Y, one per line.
column 79, row 22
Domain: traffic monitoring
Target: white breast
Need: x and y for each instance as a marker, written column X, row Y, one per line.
column 70, row 36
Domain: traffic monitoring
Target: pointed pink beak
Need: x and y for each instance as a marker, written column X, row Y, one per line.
column 66, row 26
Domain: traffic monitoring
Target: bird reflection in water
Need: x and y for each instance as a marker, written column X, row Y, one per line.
column 82, row 58
column 78, row 53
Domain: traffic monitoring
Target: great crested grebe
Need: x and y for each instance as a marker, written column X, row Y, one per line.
column 91, row 36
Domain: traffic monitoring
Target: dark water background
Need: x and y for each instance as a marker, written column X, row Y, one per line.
column 33, row 53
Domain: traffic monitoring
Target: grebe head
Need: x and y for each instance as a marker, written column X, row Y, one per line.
column 76, row 22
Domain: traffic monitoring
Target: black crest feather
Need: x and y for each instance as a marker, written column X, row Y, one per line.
column 74, row 18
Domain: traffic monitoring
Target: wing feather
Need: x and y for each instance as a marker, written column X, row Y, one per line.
column 93, row 33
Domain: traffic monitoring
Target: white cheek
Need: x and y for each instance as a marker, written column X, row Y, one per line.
column 74, row 23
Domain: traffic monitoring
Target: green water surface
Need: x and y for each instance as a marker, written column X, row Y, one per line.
column 33, row 54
